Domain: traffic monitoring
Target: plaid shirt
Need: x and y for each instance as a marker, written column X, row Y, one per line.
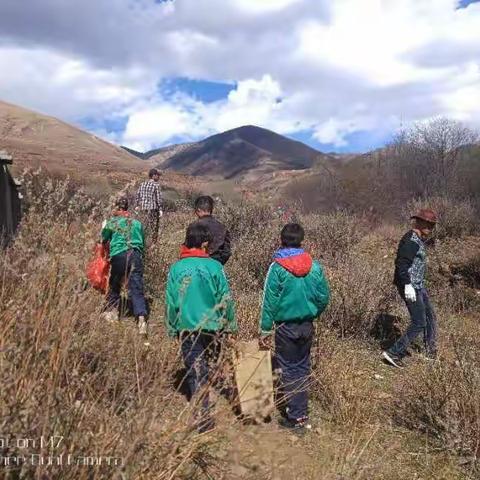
column 149, row 196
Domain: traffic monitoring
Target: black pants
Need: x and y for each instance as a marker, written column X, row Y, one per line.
column 422, row 321
column 127, row 265
column 151, row 221
column 293, row 342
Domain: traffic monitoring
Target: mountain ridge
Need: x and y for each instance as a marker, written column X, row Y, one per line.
column 238, row 153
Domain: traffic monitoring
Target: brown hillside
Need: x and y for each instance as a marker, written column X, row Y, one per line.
column 37, row 140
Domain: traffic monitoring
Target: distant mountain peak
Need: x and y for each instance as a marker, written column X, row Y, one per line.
column 248, row 150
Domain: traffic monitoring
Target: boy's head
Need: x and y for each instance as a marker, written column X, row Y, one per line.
column 204, row 206
column 198, row 236
column 292, row 235
column 122, row 204
column 154, row 174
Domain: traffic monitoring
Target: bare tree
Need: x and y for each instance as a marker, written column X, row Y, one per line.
column 427, row 155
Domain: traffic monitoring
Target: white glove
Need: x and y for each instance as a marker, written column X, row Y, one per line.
column 160, row 213
column 410, row 294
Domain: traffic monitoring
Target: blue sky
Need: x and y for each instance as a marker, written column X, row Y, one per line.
column 338, row 75
column 465, row 3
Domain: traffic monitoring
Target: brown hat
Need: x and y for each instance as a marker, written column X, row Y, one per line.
column 427, row 215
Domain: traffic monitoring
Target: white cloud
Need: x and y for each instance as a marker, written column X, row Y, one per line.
column 264, row 6
column 334, row 68
column 67, row 87
column 251, row 102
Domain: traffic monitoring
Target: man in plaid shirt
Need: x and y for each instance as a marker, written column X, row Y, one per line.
column 149, row 202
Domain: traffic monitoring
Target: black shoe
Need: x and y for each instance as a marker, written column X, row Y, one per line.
column 300, row 427
column 394, row 360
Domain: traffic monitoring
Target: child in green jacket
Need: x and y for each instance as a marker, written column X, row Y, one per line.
column 296, row 292
column 126, row 241
column 199, row 309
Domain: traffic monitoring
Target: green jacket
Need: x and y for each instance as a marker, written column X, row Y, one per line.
column 123, row 233
column 296, row 290
column 198, row 296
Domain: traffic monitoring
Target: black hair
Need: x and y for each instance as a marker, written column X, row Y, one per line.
column 153, row 172
column 292, row 235
column 197, row 234
column 122, row 203
column 204, row 203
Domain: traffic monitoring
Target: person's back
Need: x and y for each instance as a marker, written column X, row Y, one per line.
column 199, row 311
column 219, row 247
column 124, row 233
column 198, row 297
column 296, row 289
column 126, row 241
column 149, row 203
column 296, row 292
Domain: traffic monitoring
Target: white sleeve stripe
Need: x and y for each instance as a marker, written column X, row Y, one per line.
column 266, row 281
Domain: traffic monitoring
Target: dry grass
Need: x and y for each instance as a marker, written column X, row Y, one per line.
column 65, row 373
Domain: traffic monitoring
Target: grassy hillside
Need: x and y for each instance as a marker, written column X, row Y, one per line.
column 37, row 140
column 66, row 374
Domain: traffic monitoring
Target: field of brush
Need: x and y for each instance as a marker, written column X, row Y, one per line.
column 83, row 399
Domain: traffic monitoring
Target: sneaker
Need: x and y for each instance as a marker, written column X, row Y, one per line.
column 110, row 316
column 142, row 326
column 300, row 427
column 393, row 360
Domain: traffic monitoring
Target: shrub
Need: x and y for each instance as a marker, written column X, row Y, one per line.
column 247, row 218
column 443, row 401
column 332, row 235
column 361, row 290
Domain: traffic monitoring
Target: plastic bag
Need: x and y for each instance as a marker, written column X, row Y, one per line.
column 98, row 269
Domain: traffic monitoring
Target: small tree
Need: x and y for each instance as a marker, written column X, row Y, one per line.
column 427, row 155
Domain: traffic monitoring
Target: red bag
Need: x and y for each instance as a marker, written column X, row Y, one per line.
column 98, row 269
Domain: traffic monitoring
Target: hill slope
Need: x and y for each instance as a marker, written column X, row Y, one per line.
column 38, row 140
column 243, row 151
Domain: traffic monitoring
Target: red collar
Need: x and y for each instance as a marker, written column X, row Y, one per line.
column 298, row 265
column 121, row 213
column 186, row 252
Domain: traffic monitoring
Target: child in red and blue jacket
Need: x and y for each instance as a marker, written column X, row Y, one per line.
column 296, row 292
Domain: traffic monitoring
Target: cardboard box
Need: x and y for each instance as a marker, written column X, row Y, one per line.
column 253, row 376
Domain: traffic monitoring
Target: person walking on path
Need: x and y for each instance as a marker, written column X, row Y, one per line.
column 296, row 292
column 219, row 247
column 409, row 278
column 126, row 241
column 200, row 312
column 149, row 203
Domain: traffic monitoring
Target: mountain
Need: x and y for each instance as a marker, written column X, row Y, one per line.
column 37, row 140
column 134, row 153
column 159, row 155
column 244, row 152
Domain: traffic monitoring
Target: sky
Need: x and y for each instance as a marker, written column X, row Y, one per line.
column 339, row 75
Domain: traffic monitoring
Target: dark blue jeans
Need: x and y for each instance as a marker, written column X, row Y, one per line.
column 422, row 321
column 200, row 351
column 127, row 265
column 293, row 342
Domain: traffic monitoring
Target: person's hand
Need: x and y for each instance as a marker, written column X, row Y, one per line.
column 160, row 213
column 410, row 294
column 265, row 342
